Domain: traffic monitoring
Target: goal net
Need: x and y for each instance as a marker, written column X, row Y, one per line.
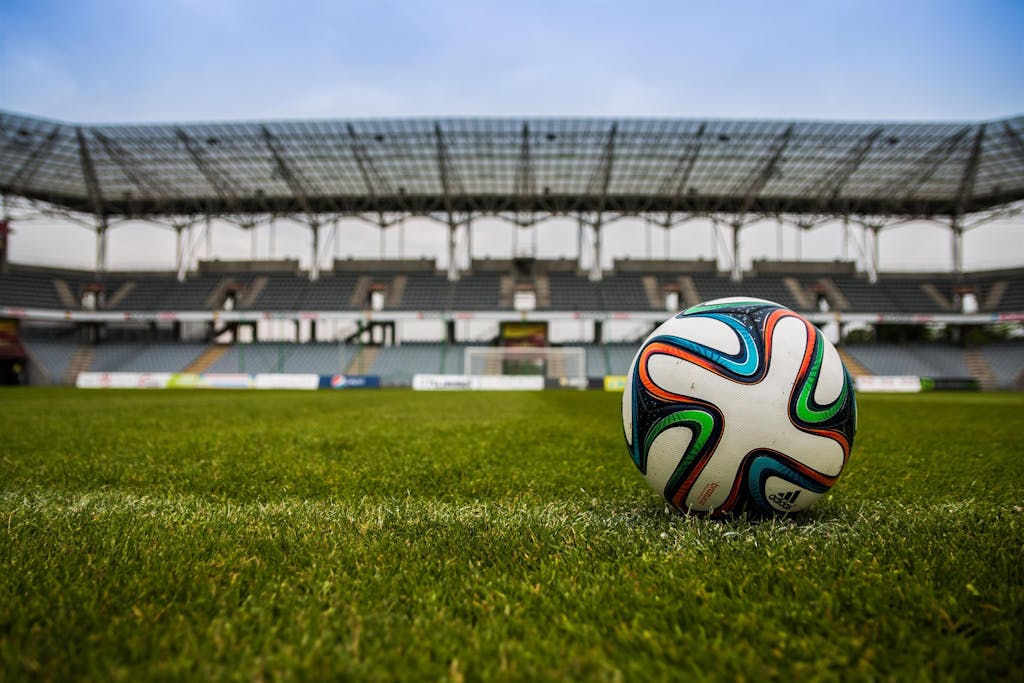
column 563, row 366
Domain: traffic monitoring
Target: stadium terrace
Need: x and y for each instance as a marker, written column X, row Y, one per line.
column 321, row 174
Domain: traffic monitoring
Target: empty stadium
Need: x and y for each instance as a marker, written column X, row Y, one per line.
column 348, row 316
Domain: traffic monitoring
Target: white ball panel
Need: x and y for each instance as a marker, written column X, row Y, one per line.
column 831, row 379
column 666, row 452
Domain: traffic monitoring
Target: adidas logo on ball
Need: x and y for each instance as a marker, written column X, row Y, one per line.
column 784, row 500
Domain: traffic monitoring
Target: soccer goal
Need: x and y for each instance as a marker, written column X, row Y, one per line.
column 563, row 366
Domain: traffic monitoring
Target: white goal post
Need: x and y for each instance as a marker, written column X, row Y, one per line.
column 562, row 366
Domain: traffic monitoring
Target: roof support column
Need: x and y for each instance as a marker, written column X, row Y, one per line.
column 595, row 266
column 469, row 241
column 647, row 238
column 778, row 239
column 453, row 266
column 180, row 262
column 737, row 269
column 714, row 241
column 209, row 238
column 5, row 233
column 101, row 245
column 401, row 237
column 668, row 237
column 958, row 245
column 254, row 244
column 873, row 260
column 579, row 241
column 845, row 248
column 336, row 237
column 314, row 268
column 273, row 231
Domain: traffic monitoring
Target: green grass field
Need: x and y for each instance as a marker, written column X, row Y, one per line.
column 399, row 535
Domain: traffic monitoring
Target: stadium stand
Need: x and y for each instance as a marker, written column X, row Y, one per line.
column 1007, row 363
column 397, row 364
column 29, row 288
column 1001, row 290
column 319, row 358
column 624, row 292
column 53, row 355
column 141, row 357
column 570, row 292
column 924, row 360
column 477, row 292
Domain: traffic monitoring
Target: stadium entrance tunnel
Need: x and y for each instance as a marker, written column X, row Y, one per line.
column 13, row 372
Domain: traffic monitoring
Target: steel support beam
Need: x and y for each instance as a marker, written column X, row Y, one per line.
column 737, row 267
column 599, row 184
column 376, row 183
column 5, row 233
column 314, row 268
column 928, row 163
column 965, row 192
column 525, row 185
column 453, row 266
column 838, row 176
column 449, row 186
column 92, row 183
column 147, row 185
column 579, row 241
column 208, row 231
column 293, row 178
column 222, row 185
column 101, row 245
column 845, row 249
column 678, row 180
column 874, row 253
column 757, row 179
column 957, row 230
column 24, row 174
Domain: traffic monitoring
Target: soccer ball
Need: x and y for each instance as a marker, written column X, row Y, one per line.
column 739, row 405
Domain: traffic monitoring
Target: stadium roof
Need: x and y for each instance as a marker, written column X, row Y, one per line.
column 420, row 166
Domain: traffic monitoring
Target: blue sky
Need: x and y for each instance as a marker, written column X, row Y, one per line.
column 152, row 60
column 172, row 60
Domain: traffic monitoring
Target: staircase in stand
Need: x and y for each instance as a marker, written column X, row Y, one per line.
column 980, row 370
column 363, row 360
column 80, row 362
column 207, row 358
column 852, row 364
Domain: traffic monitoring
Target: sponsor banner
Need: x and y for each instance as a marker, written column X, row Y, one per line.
column 281, row 380
column 949, row 384
column 123, row 380
column 183, row 380
column 506, row 382
column 425, row 382
column 615, row 383
column 906, row 384
column 218, row 380
column 349, row 381
column 565, row 383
